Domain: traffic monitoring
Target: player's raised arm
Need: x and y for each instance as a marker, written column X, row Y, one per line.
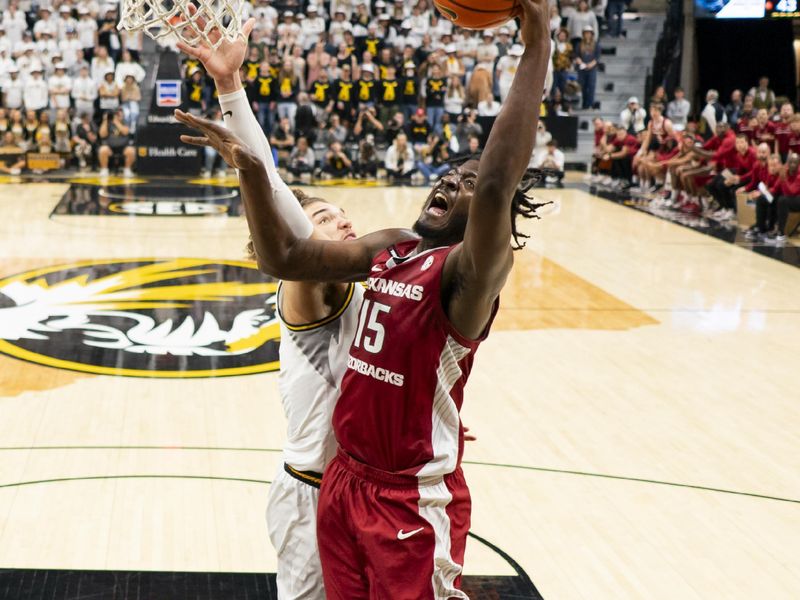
column 279, row 250
column 485, row 259
column 223, row 64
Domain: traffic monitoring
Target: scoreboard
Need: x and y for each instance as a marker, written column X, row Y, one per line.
column 747, row 9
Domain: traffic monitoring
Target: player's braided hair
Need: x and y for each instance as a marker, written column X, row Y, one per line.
column 304, row 200
column 522, row 204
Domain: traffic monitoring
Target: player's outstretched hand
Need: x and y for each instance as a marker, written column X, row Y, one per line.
column 469, row 437
column 535, row 23
column 232, row 150
column 227, row 58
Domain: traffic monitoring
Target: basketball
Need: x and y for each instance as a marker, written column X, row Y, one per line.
column 478, row 14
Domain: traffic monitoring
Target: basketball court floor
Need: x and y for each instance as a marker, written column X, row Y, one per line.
column 637, row 405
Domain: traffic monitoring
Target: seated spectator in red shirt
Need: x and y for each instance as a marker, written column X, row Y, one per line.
column 674, row 165
column 730, row 167
column 783, row 130
column 762, row 186
column 620, row 152
column 794, row 138
column 746, row 125
column 787, row 197
column 764, row 131
column 697, row 174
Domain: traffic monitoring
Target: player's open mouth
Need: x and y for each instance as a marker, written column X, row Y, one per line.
column 438, row 205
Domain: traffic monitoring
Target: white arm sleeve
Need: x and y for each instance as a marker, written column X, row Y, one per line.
column 239, row 118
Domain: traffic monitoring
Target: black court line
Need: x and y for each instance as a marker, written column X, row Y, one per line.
column 466, row 462
column 520, row 587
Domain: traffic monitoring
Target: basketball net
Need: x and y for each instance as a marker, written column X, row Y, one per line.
column 213, row 21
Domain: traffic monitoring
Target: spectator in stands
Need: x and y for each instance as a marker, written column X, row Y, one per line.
column 761, row 186
column 587, row 57
column 127, row 66
column 794, row 138
column 418, row 129
column 367, row 161
column 783, row 129
column 336, row 162
column 787, row 196
column 467, row 127
column 733, row 110
column 615, row 10
column 288, row 87
column 410, row 89
column 335, row 131
column 453, row 65
column 35, row 95
column 678, row 110
column 302, row 159
column 12, row 155
column 367, row 123
column 59, row 85
column 114, row 140
column 579, row 21
column 84, row 92
column 87, row 34
column 282, row 139
column 454, row 98
column 130, row 97
column 763, row 96
column 108, row 93
column 343, row 95
column 399, row 160
column 433, row 161
column 13, row 88
column 712, row 114
column 562, row 60
column 305, row 121
column 62, row 134
column 486, row 53
column 84, row 140
column 388, row 93
column 101, row 64
column 365, row 87
column 764, row 130
column 434, row 92
column 17, row 126
column 551, row 159
column 659, row 96
column 506, row 69
column 31, row 124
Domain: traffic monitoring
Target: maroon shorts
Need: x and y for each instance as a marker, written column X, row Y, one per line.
column 388, row 536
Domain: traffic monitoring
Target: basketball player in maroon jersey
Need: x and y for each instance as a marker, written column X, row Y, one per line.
column 394, row 508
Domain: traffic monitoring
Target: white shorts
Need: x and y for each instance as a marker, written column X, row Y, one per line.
column 292, row 525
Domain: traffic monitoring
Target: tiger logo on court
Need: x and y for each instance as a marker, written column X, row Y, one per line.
column 143, row 318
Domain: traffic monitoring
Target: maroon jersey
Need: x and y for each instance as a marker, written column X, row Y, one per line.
column 743, row 126
column 783, row 133
column 788, row 185
column 401, row 395
column 794, row 143
column 764, row 133
column 630, row 143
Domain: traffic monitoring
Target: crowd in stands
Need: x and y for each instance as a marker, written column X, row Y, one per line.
column 699, row 162
column 356, row 73
column 393, row 87
column 70, row 84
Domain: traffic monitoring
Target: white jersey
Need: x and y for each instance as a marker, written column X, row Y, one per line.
column 313, row 361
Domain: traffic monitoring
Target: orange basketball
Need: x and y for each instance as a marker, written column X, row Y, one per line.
column 478, row 14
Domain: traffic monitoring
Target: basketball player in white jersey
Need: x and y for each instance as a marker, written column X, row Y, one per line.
column 318, row 321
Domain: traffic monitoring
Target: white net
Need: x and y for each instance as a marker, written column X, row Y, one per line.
column 212, row 21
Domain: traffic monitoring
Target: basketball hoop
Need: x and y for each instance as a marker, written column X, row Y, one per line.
column 190, row 21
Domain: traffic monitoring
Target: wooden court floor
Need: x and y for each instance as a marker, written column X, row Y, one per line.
column 637, row 405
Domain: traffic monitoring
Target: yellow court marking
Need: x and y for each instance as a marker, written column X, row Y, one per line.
column 95, row 180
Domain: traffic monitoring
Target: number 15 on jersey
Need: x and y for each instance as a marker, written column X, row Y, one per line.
column 371, row 333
